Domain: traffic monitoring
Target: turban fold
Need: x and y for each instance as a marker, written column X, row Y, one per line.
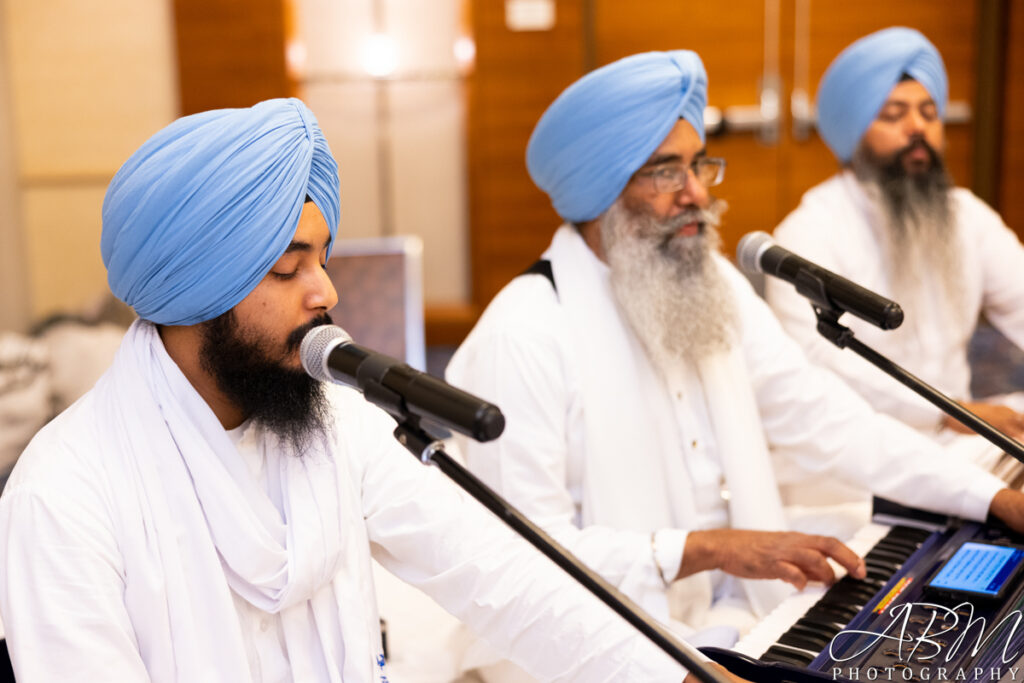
column 857, row 83
column 198, row 215
column 603, row 127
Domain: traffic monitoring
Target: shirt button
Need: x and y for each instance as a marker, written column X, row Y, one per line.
column 264, row 624
column 693, row 444
column 679, row 395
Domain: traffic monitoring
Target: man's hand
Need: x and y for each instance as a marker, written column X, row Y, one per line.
column 788, row 555
column 1007, row 505
column 1003, row 418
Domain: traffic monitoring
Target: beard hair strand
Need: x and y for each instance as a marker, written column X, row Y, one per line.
column 668, row 286
column 285, row 401
column 922, row 241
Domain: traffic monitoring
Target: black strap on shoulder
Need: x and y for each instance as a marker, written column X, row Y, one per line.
column 542, row 267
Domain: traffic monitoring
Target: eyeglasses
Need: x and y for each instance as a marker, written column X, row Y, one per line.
column 708, row 171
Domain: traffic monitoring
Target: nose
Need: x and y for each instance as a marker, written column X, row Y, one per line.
column 914, row 122
column 693, row 193
column 321, row 293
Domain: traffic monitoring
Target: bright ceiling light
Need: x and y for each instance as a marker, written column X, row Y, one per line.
column 464, row 50
column 380, row 55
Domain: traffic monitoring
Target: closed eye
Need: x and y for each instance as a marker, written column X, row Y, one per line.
column 892, row 112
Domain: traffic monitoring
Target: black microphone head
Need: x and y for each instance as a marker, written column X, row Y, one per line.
column 490, row 424
column 893, row 316
column 750, row 248
column 316, row 348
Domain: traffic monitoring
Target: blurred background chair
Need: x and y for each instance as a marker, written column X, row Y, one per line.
column 380, row 294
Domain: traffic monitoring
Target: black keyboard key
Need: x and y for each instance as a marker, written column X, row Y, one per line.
column 788, row 655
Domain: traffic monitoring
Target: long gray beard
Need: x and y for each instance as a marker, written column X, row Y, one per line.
column 923, row 245
column 673, row 295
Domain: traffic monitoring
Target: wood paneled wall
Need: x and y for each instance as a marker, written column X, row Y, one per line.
column 518, row 75
column 231, row 53
column 763, row 183
column 1011, row 196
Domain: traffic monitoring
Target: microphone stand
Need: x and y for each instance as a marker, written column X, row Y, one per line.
column 842, row 336
column 430, row 450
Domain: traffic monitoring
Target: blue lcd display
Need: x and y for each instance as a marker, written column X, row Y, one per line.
column 979, row 568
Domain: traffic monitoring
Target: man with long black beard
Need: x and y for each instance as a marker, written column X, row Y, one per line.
column 283, row 399
column 207, row 512
column 650, row 393
column 892, row 221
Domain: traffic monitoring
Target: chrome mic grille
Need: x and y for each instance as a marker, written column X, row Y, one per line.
column 316, row 347
column 750, row 248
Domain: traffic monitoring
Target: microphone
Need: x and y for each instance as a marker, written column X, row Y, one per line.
column 329, row 355
column 758, row 252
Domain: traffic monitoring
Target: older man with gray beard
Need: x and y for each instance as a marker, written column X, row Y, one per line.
column 669, row 288
column 892, row 220
column 649, row 392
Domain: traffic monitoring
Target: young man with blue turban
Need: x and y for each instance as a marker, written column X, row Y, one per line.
column 892, row 221
column 651, row 396
column 207, row 511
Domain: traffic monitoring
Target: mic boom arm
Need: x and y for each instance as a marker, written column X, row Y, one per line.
column 842, row 336
column 368, row 371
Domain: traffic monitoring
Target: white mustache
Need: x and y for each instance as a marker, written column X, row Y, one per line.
column 669, row 228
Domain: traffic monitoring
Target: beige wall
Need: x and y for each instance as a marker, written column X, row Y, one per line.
column 424, row 127
column 14, row 304
column 88, row 82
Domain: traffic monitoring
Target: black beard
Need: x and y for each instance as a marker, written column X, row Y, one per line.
column 902, row 190
column 289, row 403
column 920, row 222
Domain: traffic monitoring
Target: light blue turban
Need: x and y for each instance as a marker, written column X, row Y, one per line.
column 603, row 127
column 200, row 213
column 857, row 83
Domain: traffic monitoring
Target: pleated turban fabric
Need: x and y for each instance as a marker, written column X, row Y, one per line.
column 195, row 218
column 857, row 83
column 603, row 127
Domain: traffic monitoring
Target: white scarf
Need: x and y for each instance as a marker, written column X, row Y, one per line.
column 635, row 477
column 194, row 526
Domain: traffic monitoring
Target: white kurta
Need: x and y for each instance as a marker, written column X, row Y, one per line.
column 522, row 356
column 73, row 612
column 837, row 227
